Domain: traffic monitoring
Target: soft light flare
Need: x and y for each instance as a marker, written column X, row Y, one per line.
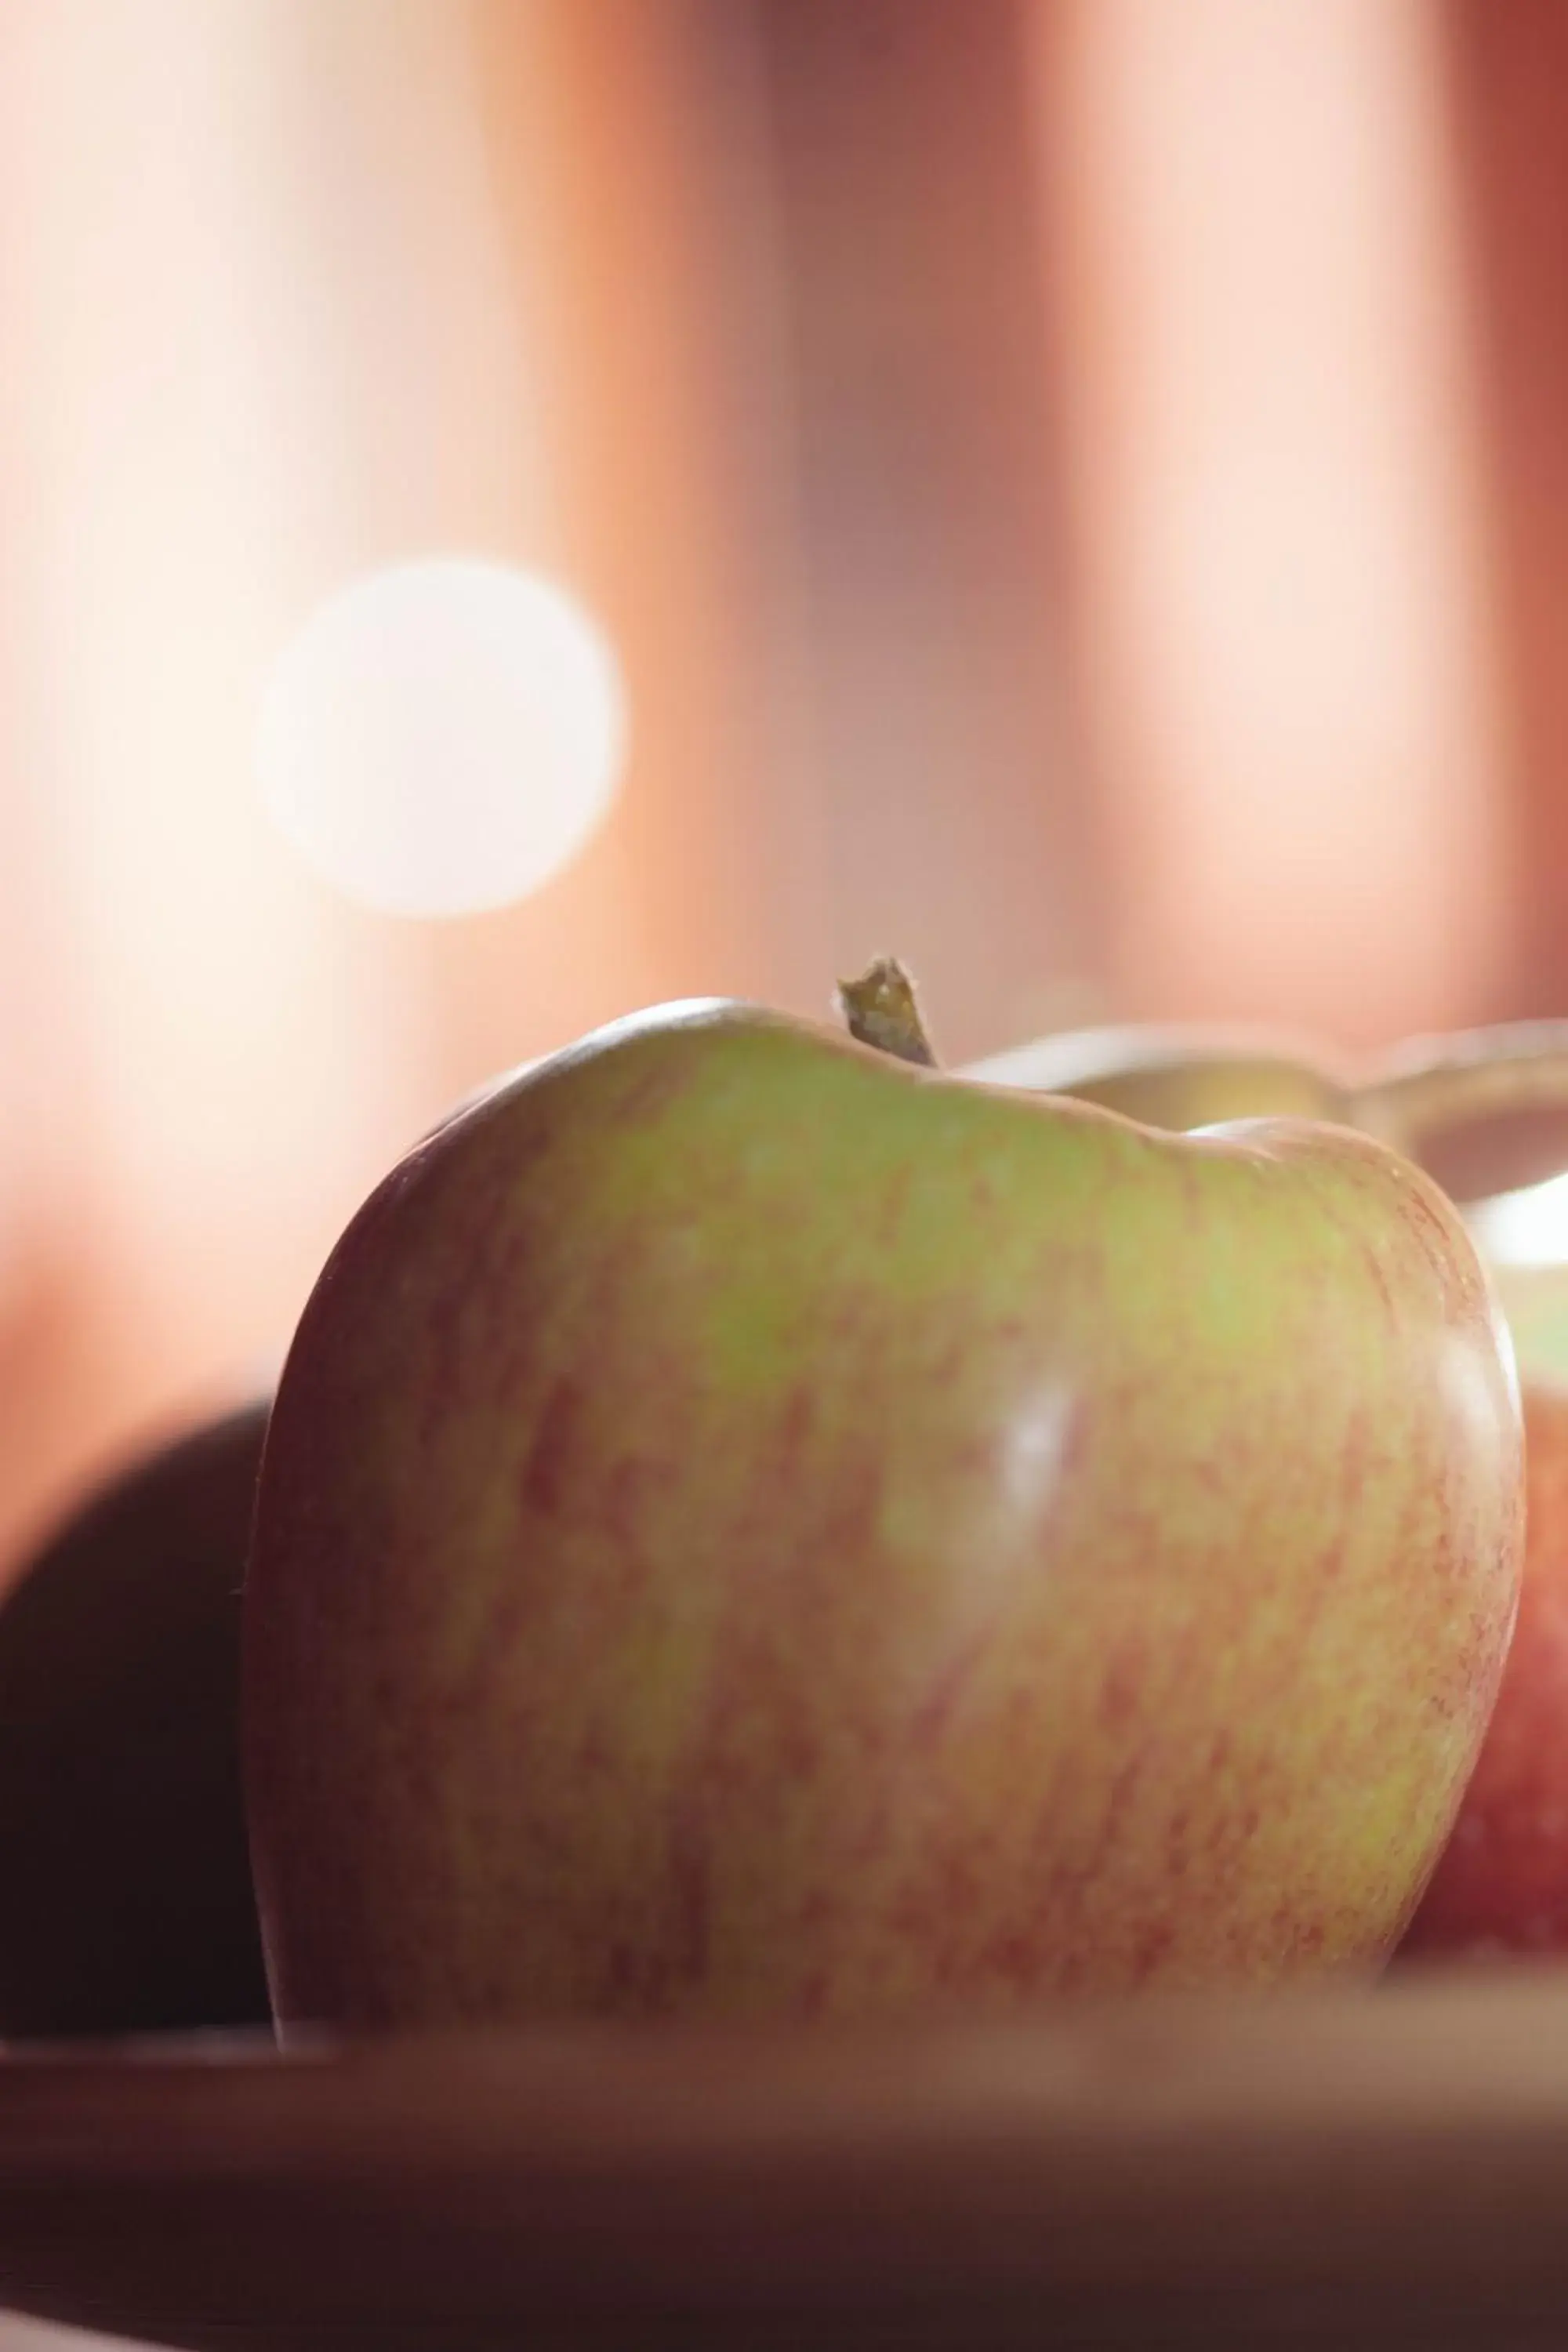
column 1528, row 1228
column 443, row 737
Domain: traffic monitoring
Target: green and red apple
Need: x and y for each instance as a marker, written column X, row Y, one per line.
column 750, row 1527
column 1486, row 1111
column 1502, row 1886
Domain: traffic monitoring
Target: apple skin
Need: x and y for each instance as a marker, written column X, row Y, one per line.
column 128, row 1900
column 1502, row 1886
column 750, row 1528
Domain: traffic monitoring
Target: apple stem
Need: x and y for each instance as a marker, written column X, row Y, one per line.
column 1433, row 1085
column 880, row 1009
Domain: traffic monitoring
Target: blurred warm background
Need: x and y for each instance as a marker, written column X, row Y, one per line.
column 1075, row 492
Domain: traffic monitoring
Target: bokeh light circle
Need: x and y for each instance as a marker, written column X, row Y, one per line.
column 443, row 737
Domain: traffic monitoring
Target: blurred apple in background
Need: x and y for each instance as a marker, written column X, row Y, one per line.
column 1181, row 1075
column 127, row 1898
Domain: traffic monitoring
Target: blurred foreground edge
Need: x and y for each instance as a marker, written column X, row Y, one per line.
column 1387, row 2168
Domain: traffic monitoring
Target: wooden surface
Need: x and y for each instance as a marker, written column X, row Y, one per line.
column 1388, row 2169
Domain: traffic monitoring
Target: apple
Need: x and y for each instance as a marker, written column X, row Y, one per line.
column 1486, row 1111
column 128, row 1906
column 1501, row 1885
column 752, row 1527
